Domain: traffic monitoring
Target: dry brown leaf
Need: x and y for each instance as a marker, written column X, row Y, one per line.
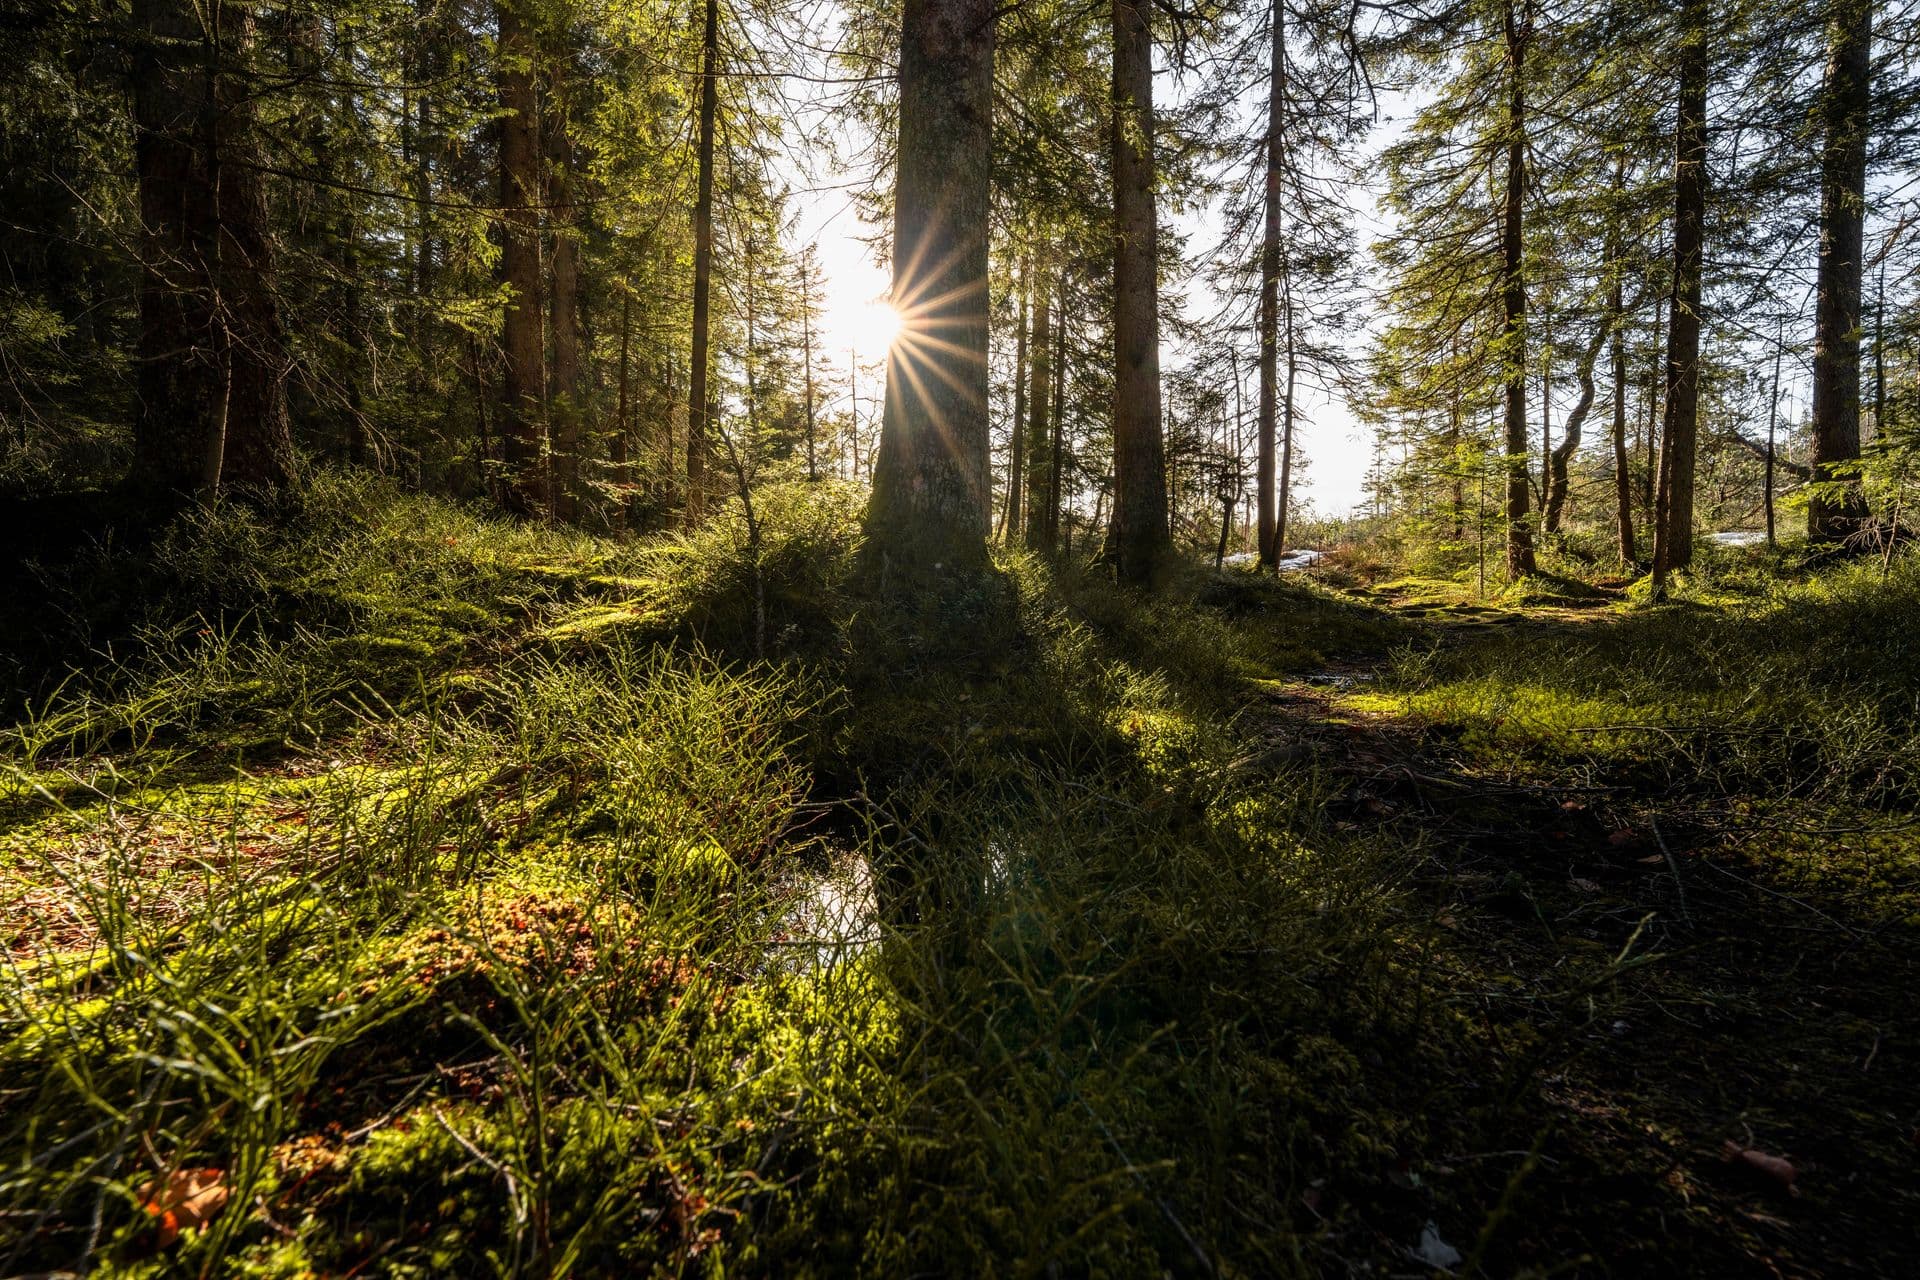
column 185, row 1200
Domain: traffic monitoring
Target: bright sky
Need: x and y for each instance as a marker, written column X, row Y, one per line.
column 856, row 316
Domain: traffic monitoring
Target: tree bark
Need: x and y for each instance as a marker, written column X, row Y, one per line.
column 1137, row 539
column 1673, row 530
column 1520, row 560
column 1845, row 103
column 563, row 385
column 806, row 355
column 701, row 359
column 1282, row 498
column 213, row 357
column 1622, row 476
column 523, row 382
column 932, row 480
column 1266, row 537
column 1042, row 533
column 1017, row 437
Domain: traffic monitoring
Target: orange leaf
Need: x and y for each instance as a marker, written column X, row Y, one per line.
column 185, row 1200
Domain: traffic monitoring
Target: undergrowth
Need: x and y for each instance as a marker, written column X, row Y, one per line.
column 453, row 896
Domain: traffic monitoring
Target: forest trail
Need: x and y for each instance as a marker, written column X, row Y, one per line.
column 1667, row 1008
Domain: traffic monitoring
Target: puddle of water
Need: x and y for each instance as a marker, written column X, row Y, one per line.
column 830, row 916
column 1739, row 537
column 1337, row 679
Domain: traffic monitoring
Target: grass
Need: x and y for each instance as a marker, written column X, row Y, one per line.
column 466, row 897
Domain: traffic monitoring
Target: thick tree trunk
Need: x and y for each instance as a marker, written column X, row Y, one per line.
column 523, row 382
column 1836, row 337
column 698, row 366
column 932, row 480
column 1017, row 437
column 563, row 385
column 213, row 357
column 1673, row 529
column 1042, row 533
column 1520, row 561
column 1137, row 540
column 1267, row 536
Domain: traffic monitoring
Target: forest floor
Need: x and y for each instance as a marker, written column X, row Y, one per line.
column 387, row 889
column 1744, row 1102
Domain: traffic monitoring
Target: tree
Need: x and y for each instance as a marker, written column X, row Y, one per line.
column 1673, row 519
column 523, row 383
column 1137, row 538
column 1043, row 524
column 699, row 363
column 1835, row 510
column 213, row 359
column 931, row 483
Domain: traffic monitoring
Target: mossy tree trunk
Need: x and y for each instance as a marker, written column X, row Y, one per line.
column 931, row 486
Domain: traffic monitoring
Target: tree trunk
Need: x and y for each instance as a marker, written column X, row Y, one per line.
column 1282, row 502
column 1622, row 476
column 1560, row 459
column 806, row 354
column 1845, row 103
column 212, row 355
column 1267, row 538
column 1773, row 418
column 523, row 381
column 1673, row 530
column 617, row 441
column 698, row 364
column 563, row 386
column 1520, row 561
column 1041, row 533
column 1056, row 448
column 1137, row 540
column 932, row 480
column 1017, row 437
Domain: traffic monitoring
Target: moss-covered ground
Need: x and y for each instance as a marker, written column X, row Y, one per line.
column 390, row 890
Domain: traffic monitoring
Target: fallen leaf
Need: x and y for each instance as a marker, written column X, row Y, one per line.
column 1779, row 1169
column 186, row 1200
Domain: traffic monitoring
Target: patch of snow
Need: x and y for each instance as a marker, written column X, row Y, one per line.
column 1738, row 537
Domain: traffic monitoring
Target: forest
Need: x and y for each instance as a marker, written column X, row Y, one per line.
column 837, row 637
